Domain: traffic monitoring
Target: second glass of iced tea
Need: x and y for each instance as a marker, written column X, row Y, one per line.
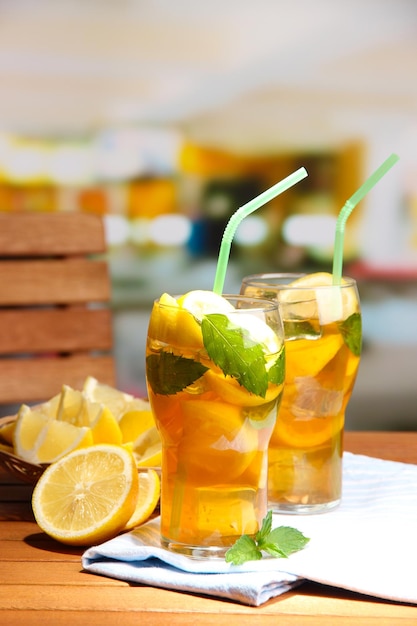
column 215, row 373
column 322, row 325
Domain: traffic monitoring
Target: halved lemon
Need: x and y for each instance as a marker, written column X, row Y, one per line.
column 148, row 496
column 88, row 496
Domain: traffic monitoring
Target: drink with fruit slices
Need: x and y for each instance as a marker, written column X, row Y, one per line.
column 322, row 325
column 215, row 371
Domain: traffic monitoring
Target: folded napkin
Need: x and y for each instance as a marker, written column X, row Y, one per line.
column 366, row 545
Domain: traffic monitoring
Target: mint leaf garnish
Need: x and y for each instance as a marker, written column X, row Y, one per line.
column 351, row 331
column 283, row 541
column 182, row 372
column 265, row 529
column 237, row 355
column 244, row 549
column 276, row 374
column 280, row 542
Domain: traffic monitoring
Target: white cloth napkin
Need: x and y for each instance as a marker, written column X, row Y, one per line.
column 367, row 545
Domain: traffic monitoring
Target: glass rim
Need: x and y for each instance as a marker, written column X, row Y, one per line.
column 265, row 304
column 268, row 279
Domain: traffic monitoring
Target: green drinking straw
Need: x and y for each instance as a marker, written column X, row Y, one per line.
column 243, row 212
column 347, row 210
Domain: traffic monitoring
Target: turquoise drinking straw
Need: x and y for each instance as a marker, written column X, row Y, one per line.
column 347, row 210
column 240, row 214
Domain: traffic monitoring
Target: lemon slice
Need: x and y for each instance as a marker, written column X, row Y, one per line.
column 308, row 358
column 209, row 442
column 200, row 303
column 117, row 401
column 88, row 496
column 310, row 301
column 259, row 332
column 229, row 390
column 304, row 433
column 148, row 497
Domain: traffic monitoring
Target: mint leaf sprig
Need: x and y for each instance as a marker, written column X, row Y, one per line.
column 237, row 355
column 280, row 542
column 351, row 331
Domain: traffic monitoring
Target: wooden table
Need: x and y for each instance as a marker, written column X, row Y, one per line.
column 42, row 582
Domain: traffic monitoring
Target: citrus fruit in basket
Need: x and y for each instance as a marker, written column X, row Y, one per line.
column 88, row 496
column 39, row 439
column 76, row 419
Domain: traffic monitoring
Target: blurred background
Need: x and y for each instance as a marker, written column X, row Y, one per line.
column 165, row 117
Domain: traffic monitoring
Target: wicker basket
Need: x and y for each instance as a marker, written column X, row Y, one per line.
column 23, row 470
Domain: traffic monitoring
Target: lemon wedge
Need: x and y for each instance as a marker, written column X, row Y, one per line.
column 134, row 423
column 29, row 424
column 105, row 428
column 57, row 439
column 114, row 399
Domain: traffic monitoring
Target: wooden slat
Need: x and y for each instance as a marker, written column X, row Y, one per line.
column 38, row 234
column 21, row 574
column 383, row 445
column 177, row 608
column 54, row 330
column 38, row 379
column 16, row 531
column 51, row 281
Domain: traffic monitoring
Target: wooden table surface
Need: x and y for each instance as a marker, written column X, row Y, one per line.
column 42, row 582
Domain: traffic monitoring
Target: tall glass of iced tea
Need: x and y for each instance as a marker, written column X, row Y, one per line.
column 322, row 325
column 215, row 373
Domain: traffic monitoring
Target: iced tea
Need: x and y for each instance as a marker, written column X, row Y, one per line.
column 322, row 325
column 215, row 378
